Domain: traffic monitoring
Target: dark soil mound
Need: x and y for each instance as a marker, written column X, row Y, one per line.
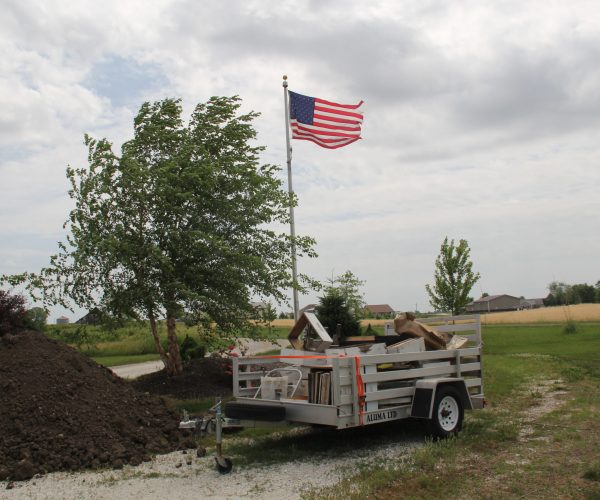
column 201, row 378
column 61, row 411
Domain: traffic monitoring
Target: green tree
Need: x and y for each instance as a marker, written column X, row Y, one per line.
column 268, row 314
column 181, row 221
column 582, row 293
column 347, row 285
column 35, row 318
column 454, row 277
column 558, row 294
column 333, row 310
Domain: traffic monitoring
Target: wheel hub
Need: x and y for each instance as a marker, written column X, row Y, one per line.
column 448, row 413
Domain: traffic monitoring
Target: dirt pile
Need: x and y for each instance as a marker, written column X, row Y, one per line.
column 61, row 411
column 203, row 377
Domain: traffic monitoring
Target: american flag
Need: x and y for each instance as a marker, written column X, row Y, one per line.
column 326, row 123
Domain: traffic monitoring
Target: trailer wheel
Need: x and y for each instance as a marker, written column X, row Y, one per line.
column 224, row 465
column 448, row 413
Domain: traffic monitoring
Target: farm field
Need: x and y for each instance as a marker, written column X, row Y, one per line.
column 557, row 314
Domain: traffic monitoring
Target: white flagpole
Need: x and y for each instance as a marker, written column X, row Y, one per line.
column 291, row 192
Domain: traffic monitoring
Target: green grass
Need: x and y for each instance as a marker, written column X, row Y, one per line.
column 544, row 339
column 192, row 406
column 579, row 351
column 489, row 459
column 136, row 338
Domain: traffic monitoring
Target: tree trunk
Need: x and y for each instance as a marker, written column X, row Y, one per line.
column 174, row 352
column 164, row 356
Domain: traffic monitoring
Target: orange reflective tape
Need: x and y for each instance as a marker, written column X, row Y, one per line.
column 295, row 357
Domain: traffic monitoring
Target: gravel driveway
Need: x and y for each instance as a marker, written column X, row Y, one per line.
column 182, row 475
column 170, row 476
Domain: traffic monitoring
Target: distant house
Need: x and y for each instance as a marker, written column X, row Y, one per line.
column 531, row 303
column 63, row 320
column 93, row 317
column 379, row 311
column 259, row 308
column 494, row 303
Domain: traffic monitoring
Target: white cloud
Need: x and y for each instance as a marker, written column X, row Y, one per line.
column 481, row 122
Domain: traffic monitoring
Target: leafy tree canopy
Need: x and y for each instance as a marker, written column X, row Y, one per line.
column 181, row 221
column 347, row 285
column 453, row 278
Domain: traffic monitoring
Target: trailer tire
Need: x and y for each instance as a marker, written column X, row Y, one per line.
column 448, row 412
column 264, row 413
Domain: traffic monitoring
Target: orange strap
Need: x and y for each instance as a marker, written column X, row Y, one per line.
column 297, row 357
column 361, row 391
column 359, row 380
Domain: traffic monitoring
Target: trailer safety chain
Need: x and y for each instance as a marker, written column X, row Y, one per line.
column 359, row 380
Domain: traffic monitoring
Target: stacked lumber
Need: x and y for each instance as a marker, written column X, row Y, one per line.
column 319, row 387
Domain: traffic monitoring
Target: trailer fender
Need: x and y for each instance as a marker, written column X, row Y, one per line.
column 424, row 397
column 265, row 413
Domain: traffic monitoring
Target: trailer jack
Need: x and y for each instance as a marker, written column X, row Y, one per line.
column 209, row 424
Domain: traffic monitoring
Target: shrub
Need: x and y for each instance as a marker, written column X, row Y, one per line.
column 570, row 327
column 12, row 312
column 190, row 349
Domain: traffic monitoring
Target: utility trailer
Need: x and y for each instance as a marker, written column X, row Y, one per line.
column 344, row 387
column 369, row 388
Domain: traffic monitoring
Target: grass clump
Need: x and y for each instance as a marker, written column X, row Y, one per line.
column 570, row 327
column 593, row 473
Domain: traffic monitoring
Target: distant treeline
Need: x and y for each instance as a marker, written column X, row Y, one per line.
column 580, row 293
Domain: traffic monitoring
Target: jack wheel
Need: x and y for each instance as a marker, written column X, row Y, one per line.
column 224, row 465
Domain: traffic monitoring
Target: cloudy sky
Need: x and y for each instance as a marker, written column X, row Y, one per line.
column 482, row 121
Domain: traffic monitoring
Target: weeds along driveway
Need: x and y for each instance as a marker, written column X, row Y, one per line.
column 286, row 465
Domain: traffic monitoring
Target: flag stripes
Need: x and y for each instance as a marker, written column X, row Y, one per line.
column 327, row 124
